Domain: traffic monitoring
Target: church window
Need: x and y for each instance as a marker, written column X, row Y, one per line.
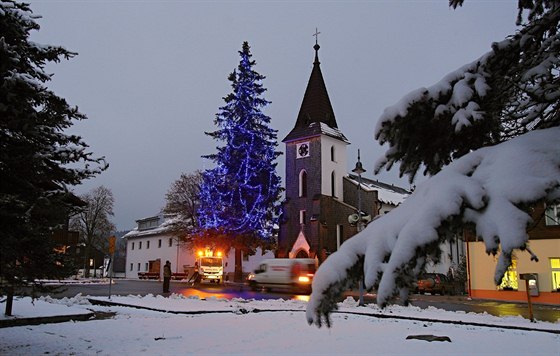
column 302, row 216
column 339, row 236
column 332, row 154
column 333, row 184
column 303, row 183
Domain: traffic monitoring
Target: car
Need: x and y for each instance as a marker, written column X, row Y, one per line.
column 434, row 283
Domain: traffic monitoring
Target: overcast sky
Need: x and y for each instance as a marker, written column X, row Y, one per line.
column 151, row 75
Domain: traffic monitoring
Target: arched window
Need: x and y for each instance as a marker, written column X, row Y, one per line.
column 332, row 154
column 303, row 183
column 333, row 184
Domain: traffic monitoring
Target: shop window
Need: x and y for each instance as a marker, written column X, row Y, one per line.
column 552, row 215
column 510, row 280
column 555, row 268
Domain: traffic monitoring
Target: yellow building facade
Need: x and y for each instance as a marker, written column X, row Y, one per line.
column 544, row 242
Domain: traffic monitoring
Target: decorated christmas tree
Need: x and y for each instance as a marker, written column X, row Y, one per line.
column 239, row 196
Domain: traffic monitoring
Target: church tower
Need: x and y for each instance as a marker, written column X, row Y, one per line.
column 315, row 167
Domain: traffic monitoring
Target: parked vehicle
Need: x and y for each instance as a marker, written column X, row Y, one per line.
column 294, row 274
column 435, row 283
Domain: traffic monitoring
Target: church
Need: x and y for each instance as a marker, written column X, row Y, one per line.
column 324, row 204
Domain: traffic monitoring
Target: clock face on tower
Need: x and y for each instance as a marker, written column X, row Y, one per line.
column 302, row 150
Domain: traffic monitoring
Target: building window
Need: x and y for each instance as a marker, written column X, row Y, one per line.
column 170, row 242
column 552, row 215
column 132, row 266
column 140, row 245
column 333, row 184
column 132, row 246
column 159, row 243
column 138, row 267
column 303, row 183
column 339, row 236
column 510, row 281
column 302, row 216
column 147, row 244
column 332, row 154
column 555, row 267
column 146, row 268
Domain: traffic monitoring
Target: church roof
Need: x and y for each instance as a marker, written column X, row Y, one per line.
column 386, row 193
column 316, row 115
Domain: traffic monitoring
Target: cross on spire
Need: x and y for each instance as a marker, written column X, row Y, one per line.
column 316, row 34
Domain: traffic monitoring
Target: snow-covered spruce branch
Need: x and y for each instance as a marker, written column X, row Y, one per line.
column 486, row 189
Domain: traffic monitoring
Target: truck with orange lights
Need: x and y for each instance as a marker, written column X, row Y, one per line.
column 294, row 274
column 209, row 266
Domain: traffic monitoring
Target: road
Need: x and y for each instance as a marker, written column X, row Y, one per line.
column 452, row 303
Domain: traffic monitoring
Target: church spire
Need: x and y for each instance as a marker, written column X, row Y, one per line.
column 316, row 106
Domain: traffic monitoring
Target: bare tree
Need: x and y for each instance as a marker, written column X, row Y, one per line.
column 93, row 222
column 183, row 201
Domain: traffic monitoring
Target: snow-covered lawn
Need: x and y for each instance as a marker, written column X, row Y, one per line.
column 243, row 327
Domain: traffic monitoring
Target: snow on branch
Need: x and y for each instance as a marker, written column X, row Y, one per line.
column 508, row 91
column 488, row 189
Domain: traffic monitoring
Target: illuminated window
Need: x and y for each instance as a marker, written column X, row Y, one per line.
column 303, row 183
column 555, row 267
column 552, row 215
column 509, row 281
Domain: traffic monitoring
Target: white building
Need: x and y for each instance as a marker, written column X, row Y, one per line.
column 151, row 243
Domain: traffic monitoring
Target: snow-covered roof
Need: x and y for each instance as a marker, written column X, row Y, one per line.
column 386, row 193
column 315, row 129
column 163, row 227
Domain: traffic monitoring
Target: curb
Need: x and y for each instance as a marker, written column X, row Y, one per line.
column 6, row 323
column 373, row 315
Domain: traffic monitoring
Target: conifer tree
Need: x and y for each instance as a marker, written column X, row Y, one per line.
column 239, row 197
column 487, row 136
column 38, row 161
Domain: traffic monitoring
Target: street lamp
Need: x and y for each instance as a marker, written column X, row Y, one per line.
column 360, row 224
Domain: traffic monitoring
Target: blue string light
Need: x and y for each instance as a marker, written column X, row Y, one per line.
column 240, row 195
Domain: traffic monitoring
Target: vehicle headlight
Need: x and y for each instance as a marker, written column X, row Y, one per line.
column 304, row 279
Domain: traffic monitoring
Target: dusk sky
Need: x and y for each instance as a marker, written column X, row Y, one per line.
column 151, row 75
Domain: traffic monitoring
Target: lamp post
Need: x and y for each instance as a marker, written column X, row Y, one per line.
column 360, row 224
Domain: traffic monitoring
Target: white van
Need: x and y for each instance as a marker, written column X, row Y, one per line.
column 295, row 274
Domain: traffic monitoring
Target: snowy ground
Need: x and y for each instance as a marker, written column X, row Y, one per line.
column 279, row 327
